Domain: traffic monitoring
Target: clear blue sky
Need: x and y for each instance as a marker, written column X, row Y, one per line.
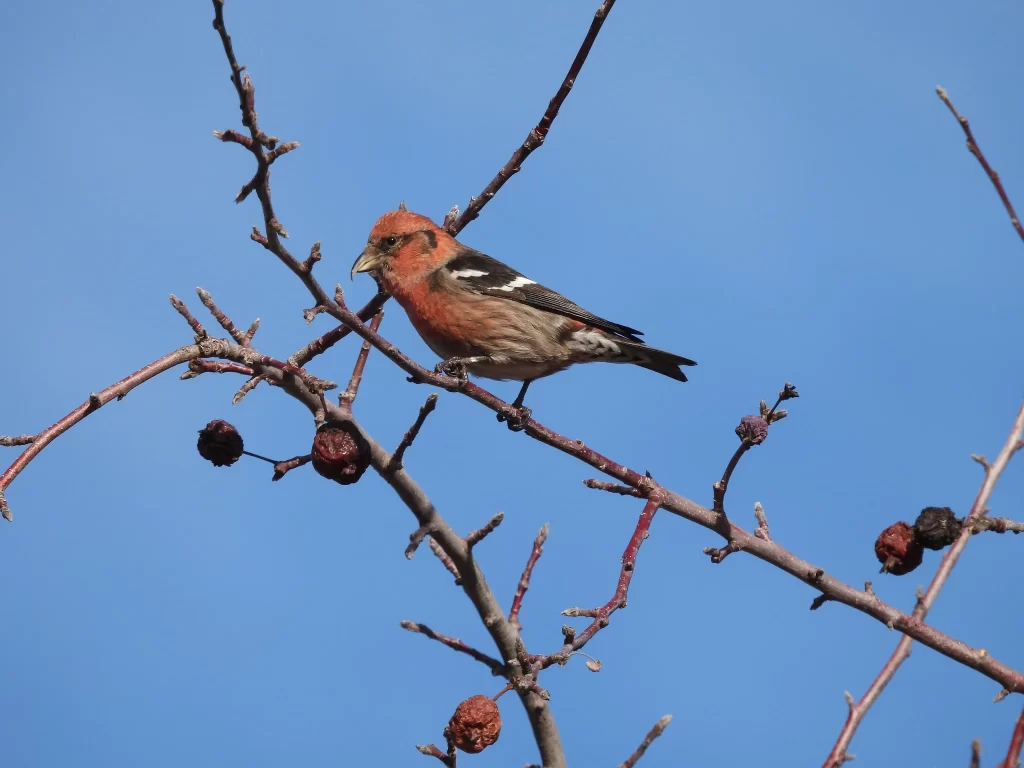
column 771, row 189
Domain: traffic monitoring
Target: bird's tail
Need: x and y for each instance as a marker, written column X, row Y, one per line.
column 665, row 363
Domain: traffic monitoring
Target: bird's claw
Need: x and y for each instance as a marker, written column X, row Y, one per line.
column 453, row 367
column 518, row 419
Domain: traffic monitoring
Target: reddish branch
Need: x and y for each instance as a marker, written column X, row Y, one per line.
column 736, row 537
column 858, row 709
column 1016, row 742
column 972, row 146
column 196, row 367
column 655, row 732
column 601, row 615
column 407, row 439
column 348, row 397
column 496, row 667
column 524, row 580
column 538, row 133
column 97, row 400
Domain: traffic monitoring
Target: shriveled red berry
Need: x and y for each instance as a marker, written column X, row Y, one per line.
column 937, row 527
column 475, row 724
column 340, row 452
column 220, row 443
column 752, row 429
column 897, row 549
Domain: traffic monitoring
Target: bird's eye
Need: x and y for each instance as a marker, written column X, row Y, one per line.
column 391, row 241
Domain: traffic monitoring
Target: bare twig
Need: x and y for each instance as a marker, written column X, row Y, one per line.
column 320, row 345
column 398, row 456
column 94, row 402
column 972, row 146
column 655, row 732
column 996, row 525
column 218, row 315
column 747, row 442
column 346, row 398
column 496, row 667
column 621, row 490
column 860, row 708
column 602, row 614
column 539, row 132
column 446, row 560
column 1016, row 742
column 475, row 537
column 194, row 324
column 761, row 531
column 14, row 441
column 432, row 750
column 975, row 754
column 196, row 367
column 282, row 468
column 524, row 580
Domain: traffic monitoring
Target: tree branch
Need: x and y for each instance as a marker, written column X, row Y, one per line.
column 1016, row 742
column 655, row 732
column 972, row 146
column 537, row 134
column 602, row 614
column 859, row 709
column 496, row 667
column 524, row 580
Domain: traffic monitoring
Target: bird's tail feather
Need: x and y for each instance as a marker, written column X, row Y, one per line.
column 658, row 360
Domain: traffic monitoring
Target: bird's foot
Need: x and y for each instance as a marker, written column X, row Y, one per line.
column 518, row 419
column 454, row 367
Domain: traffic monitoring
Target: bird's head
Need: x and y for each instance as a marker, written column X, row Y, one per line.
column 403, row 247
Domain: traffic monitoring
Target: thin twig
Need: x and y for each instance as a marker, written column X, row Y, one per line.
column 761, row 531
column 399, row 455
column 655, row 732
column 496, row 667
column 1016, row 742
column 975, row 754
column 13, row 441
column 620, row 490
column 539, row 132
column 218, row 315
column 282, row 468
column 475, row 537
column 196, row 367
column 602, row 614
column 859, row 709
column 432, row 750
column 194, row 324
column 524, row 580
column 972, row 146
column 346, row 398
column 445, row 559
column 996, row 525
column 770, row 416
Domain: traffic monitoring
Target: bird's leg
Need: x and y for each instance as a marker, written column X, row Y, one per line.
column 456, row 366
column 517, row 422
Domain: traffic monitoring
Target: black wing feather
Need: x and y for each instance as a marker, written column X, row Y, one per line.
column 498, row 276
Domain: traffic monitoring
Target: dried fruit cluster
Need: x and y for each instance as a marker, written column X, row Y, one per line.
column 900, row 547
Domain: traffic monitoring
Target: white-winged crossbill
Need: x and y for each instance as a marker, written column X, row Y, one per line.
column 484, row 317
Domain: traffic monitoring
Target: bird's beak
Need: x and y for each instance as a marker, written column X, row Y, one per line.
column 366, row 262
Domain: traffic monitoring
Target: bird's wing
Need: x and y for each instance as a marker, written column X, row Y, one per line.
column 483, row 274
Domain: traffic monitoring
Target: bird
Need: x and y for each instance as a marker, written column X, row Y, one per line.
column 482, row 317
